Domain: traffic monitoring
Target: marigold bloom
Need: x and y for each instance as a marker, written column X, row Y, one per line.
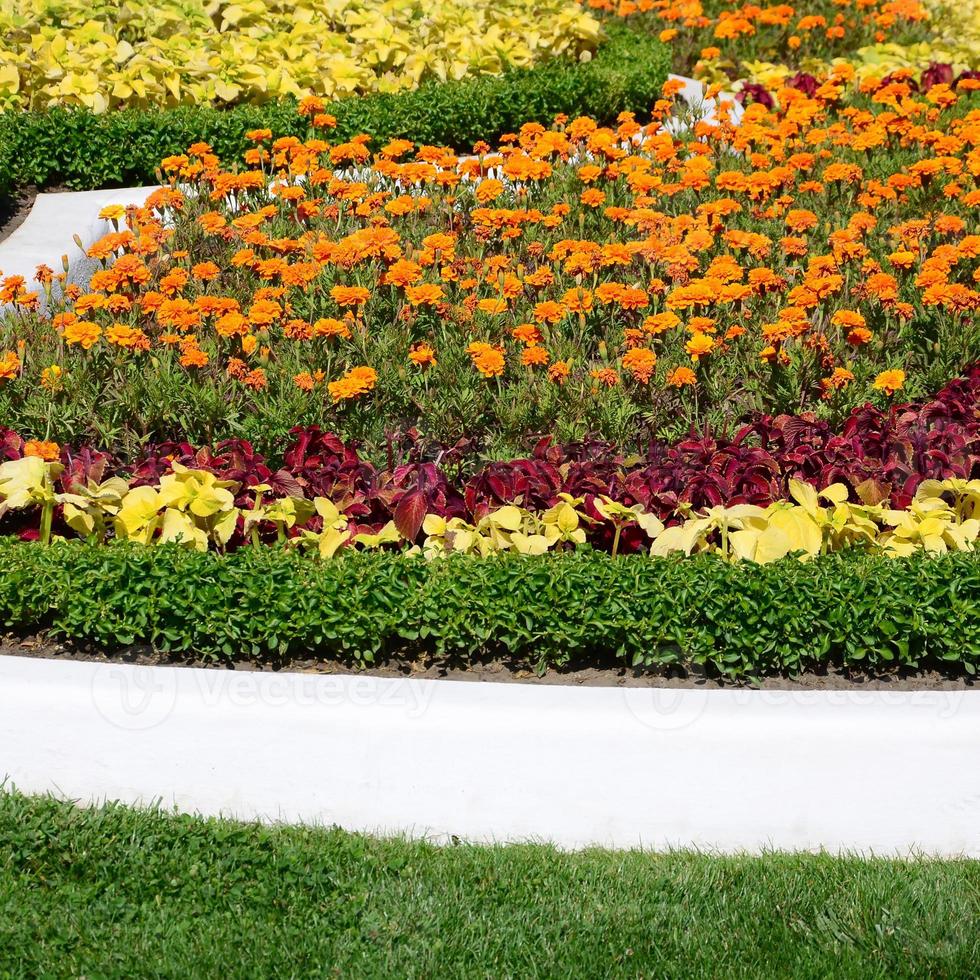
column 192, row 356
column 680, row 377
column 535, row 356
column 356, row 382
column 127, row 337
column 839, row 379
column 331, row 327
column 486, row 358
column 548, row 312
column 699, row 345
column 426, row 294
column 559, row 372
column 605, row 376
column 82, row 332
column 640, row 362
column 527, row 333
column 49, row 451
column 422, row 354
column 890, row 381
column 848, row 318
column 350, row 295
column 10, row 365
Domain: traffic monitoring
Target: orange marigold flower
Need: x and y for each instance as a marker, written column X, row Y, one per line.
column 840, row 378
column 890, row 381
column 859, row 336
column 350, row 295
column 534, row 356
column 548, row 312
column 605, row 376
column 356, row 382
column 640, row 362
column 426, row 294
column 660, row 322
column 49, row 451
column 680, row 377
column 699, row 345
column 527, row 333
column 9, row 365
column 422, row 354
column 256, row 379
column 82, row 332
column 559, row 372
column 206, row 271
column 486, row 358
column 192, row 356
column 127, row 337
column 331, row 327
column 848, row 318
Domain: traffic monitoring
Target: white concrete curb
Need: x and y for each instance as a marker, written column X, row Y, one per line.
column 46, row 234
column 886, row 772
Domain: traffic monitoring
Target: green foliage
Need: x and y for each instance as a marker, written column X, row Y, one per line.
column 738, row 620
column 85, row 150
column 105, row 891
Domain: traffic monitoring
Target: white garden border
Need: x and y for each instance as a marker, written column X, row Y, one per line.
column 730, row 770
column 47, row 233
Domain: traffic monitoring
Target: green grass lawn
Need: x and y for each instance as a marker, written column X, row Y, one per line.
column 118, row 892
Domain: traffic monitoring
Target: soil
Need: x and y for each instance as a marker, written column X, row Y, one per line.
column 500, row 671
column 14, row 211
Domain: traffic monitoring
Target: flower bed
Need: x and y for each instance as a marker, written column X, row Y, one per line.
column 619, row 282
column 664, row 336
column 763, row 46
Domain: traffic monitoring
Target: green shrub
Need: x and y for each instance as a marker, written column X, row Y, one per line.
column 84, row 150
column 738, row 620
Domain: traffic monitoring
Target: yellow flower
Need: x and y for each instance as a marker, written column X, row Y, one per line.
column 890, row 381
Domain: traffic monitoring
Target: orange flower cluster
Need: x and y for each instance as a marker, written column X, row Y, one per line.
column 357, row 381
column 823, row 247
column 752, row 31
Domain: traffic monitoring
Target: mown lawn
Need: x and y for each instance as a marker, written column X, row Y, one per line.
column 118, row 892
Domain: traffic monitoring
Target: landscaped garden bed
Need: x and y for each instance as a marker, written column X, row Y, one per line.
column 626, row 351
column 635, row 388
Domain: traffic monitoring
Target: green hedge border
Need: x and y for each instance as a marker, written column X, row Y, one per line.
column 741, row 620
column 83, row 151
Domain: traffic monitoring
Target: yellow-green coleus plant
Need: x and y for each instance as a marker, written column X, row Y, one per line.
column 138, row 52
column 197, row 510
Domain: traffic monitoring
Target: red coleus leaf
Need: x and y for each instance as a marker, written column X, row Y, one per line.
column 409, row 514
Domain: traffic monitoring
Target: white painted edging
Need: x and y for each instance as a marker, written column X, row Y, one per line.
column 47, row 232
column 726, row 770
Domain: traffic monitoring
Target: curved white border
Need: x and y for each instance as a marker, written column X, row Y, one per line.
column 46, row 235
column 728, row 770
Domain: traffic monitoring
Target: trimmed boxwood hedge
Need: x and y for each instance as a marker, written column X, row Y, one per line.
column 83, row 150
column 737, row 619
